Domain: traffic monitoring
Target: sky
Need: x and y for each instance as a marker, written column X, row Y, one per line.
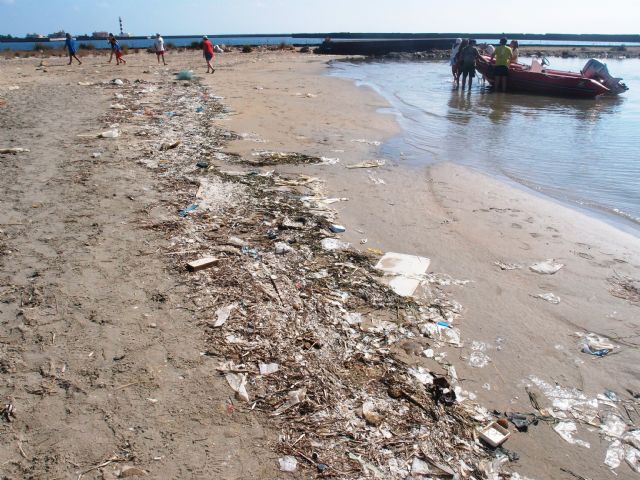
column 177, row 17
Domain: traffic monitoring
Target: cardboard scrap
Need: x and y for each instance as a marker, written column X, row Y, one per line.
column 201, row 264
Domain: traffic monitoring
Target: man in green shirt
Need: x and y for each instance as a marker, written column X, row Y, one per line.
column 501, row 69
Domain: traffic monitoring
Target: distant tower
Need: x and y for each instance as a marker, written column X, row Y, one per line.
column 121, row 28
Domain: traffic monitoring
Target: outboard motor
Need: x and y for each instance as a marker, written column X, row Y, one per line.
column 598, row 71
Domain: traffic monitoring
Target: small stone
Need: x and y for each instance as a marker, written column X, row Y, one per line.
column 132, row 472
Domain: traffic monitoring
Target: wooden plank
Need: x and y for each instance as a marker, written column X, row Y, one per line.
column 201, row 264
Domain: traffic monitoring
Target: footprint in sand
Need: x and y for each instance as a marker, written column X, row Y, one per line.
column 516, row 225
column 584, row 255
column 535, row 235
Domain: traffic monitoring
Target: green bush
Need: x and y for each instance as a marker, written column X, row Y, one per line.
column 87, row 46
column 247, row 49
column 42, row 46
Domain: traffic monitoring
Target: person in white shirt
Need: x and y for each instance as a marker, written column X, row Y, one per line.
column 453, row 60
column 158, row 44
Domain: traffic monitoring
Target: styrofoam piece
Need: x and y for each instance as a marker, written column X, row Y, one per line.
column 407, row 269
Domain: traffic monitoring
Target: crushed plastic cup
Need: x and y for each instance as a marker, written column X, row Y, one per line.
column 110, row 134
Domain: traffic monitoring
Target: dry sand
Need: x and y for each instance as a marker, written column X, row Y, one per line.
column 60, row 219
column 99, row 355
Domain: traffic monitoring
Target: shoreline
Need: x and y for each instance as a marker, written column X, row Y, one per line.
column 513, row 342
column 607, row 214
column 464, row 234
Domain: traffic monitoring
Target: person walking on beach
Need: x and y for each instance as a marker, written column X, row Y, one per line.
column 112, row 43
column 158, row 44
column 515, row 51
column 453, row 60
column 468, row 57
column 116, row 50
column 502, row 56
column 207, row 50
column 72, row 47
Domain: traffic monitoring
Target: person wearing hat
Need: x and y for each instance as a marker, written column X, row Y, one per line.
column 207, row 48
column 72, row 48
column 158, row 45
column 453, row 60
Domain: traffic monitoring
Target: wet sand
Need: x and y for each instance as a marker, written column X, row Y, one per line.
column 462, row 220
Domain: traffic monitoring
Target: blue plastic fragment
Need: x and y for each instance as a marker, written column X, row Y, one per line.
column 253, row 252
column 185, row 211
column 596, row 353
column 444, row 324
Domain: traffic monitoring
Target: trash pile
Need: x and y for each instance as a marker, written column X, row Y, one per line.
column 626, row 288
column 302, row 327
column 267, row 158
column 569, row 408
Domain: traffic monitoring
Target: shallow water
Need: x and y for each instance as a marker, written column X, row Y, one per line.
column 585, row 152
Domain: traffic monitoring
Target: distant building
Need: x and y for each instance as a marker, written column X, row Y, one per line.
column 100, row 34
column 35, row 35
column 60, row 34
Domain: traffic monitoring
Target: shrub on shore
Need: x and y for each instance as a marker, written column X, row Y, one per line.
column 247, row 49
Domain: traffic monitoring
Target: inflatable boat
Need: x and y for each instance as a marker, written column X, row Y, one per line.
column 594, row 79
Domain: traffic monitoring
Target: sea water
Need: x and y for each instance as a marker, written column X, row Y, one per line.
column 584, row 152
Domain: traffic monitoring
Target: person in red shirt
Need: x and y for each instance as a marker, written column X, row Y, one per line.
column 207, row 48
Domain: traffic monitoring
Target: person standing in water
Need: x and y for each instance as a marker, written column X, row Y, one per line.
column 453, row 60
column 158, row 44
column 502, row 56
column 468, row 57
column 207, row 50
column 72, row 47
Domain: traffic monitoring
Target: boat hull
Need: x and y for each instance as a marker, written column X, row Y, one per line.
column 547, row 82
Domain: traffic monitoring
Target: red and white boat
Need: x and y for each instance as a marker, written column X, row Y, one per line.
column 594, row 79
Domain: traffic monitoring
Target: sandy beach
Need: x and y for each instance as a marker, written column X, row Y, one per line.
column 108, row 352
